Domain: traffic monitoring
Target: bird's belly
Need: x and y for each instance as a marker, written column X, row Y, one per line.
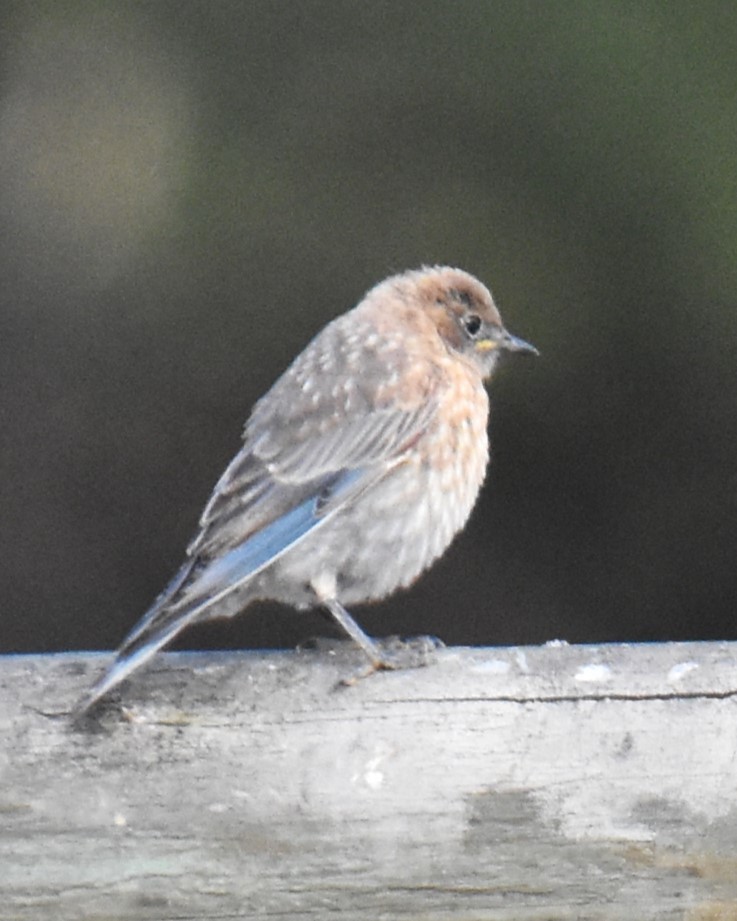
column 392, row 533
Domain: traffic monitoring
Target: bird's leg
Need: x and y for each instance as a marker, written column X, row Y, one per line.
column 390, row 654
column 369, row 646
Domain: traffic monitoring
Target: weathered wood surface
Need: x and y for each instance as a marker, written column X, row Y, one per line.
column 532, row 783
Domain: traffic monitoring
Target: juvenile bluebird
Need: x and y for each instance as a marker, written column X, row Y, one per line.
column 357, row 468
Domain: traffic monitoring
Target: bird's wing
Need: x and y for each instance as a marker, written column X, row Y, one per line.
column 274, row 473
column 322, row 417
column 301, row 462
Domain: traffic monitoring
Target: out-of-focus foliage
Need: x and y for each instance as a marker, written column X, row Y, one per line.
column 190, row 190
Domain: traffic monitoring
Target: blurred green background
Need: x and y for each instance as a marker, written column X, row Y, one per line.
column 190, row 190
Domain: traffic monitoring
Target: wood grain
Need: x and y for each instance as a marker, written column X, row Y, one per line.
column 525, row 783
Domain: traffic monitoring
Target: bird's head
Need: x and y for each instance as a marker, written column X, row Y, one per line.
column 465, row 316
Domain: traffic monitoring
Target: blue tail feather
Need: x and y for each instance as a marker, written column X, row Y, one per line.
column 192, row 591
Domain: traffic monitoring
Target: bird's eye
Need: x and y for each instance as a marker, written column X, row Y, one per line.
column 472, row 324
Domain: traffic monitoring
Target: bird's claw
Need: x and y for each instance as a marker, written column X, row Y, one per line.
column 413, row 652
column 395, row 654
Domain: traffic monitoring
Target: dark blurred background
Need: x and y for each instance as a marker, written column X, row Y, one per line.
column 190, row 190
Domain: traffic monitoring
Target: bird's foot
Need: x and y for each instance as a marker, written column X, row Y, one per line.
column 395, row 653
column 411, row 652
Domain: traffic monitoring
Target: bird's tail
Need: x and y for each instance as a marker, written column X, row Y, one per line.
column 200, row 588
column 163, row 621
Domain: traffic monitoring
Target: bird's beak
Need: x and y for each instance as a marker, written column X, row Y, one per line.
column 514, row 344
column 506, row 342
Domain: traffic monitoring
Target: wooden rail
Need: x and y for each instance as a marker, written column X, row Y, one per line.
column 526, row 783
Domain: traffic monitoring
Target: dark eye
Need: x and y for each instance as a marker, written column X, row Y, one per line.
column 472, row 324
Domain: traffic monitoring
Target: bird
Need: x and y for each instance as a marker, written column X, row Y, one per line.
column 356, row 471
